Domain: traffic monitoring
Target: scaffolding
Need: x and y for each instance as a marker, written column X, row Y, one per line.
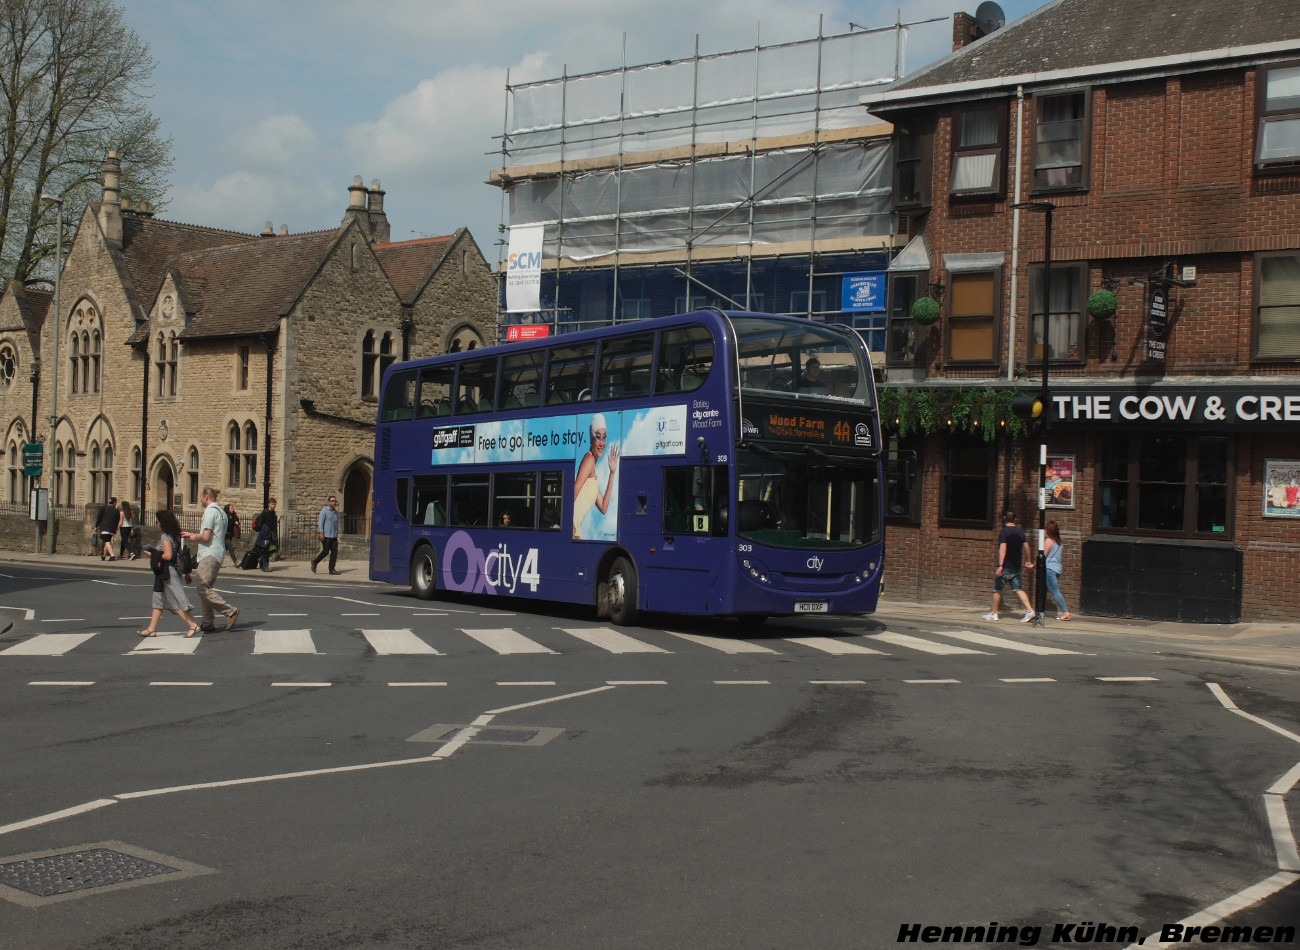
column 764, row 150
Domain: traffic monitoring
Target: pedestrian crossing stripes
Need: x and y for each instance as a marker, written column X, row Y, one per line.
column 506, row 641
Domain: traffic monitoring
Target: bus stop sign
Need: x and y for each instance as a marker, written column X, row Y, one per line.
column 33, row 459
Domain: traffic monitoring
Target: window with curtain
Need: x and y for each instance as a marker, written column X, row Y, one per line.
column 1277, row 136
column 978, row 155
column 1069, row 284
column 1277, row 317
column 1060, row 142
column 973, row 316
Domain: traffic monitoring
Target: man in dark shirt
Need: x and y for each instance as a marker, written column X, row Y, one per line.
column 106, row 525
column 1013, row 554
column 268, row 534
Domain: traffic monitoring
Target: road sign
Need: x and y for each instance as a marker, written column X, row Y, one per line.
column 33, row 459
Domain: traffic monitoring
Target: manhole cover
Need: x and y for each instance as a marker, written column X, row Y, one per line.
column 36, row 879
column 78, row 871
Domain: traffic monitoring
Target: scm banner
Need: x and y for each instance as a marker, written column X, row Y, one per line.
column 524, row 269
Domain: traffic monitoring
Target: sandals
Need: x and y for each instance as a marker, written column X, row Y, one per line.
column 1065, row 616
column 194, row 631
column 146, row 633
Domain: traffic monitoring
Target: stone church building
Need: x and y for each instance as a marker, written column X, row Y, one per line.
column 184, row 356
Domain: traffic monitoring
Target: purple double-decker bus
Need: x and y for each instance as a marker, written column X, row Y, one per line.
column 711, row 463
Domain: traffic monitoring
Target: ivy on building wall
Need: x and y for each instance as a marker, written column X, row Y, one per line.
column 986, row 412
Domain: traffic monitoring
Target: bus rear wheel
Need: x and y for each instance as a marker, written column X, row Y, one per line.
column 622, row 592
column 424, row 573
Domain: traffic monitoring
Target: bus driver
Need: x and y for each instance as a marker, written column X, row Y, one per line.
column 586, row 489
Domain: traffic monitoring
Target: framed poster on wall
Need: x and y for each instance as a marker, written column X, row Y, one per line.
column 1281, row 488
column 1060, row 481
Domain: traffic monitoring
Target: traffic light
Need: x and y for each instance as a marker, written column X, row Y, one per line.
column 1030, row 408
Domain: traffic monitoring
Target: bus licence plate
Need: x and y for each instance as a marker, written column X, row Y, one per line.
column 811, row 607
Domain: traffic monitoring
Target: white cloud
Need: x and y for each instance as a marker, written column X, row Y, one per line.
column 276, row 143
column 245, row 201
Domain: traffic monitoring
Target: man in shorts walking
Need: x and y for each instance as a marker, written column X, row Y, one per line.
column 1013, row 555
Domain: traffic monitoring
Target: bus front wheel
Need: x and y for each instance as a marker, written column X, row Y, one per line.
column 424, row 573
column 622, row 592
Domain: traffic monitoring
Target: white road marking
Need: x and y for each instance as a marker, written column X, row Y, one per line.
column 47, row 644
column 417, row 684
column 283, row 641
column 742, row 682
column 360, row 615
column 1028, row 679
column 925, row 646
column 989, row 640
column 65, row 620
column 834, row 647
column 57, row 815
column 28, row 613
column 61, row 683
column 505, row 641
column 929, row 682
column 611, row 640
column 1128, row 679
column 286, row 615
column 175, row 644
column 313, row 685
column 177, row 683
column 837, row 682
column 725, row 645
column 398, row 642
column 542, row 702
column 636, row 682
column 526, row 682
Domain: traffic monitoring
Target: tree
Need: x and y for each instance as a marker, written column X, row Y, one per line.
column 73, row 78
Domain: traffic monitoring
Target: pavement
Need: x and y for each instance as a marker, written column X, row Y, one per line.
column 1265, row 644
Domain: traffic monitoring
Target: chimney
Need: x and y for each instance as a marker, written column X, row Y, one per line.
column 380, row 232
column 964, row 30
column 284, row 230
column 357, row 205
column 268, row 230
column 110, row 208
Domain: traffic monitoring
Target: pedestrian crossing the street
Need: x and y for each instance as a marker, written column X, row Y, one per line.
column 271, row 639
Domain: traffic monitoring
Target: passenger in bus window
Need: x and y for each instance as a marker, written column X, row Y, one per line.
column 812, row 381
column 586, row 484
column 505, row 519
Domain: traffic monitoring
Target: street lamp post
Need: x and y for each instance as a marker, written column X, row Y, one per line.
column 1040, row 565
column 57, row 201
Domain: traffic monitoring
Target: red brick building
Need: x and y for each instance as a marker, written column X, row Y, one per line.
column 1165, row 136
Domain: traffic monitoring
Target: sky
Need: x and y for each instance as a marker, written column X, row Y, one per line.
column 275, row 106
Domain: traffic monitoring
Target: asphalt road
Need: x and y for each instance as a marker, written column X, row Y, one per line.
column 350, row 767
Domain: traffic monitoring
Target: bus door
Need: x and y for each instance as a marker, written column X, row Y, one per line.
column 690, row 542
column 392, row 528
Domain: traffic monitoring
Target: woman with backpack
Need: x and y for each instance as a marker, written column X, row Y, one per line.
column 168, row 588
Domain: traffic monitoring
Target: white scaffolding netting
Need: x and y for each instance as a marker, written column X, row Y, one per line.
column 723, row 97
column 769, row 198
column 793, row 194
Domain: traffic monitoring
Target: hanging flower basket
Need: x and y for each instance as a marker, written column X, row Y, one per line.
column 1102, row 305
column 925, row 311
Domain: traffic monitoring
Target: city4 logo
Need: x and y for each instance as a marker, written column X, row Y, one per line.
column 487, row 572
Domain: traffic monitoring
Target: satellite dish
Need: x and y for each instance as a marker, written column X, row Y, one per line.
column 989, row 17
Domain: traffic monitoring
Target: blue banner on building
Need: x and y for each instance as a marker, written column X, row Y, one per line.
column 863, row 292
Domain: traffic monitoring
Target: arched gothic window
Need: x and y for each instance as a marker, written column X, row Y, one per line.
column 74, row 362
column 241, row 455
column 137, row 473
column 8, row 365
column 94, row 362
column 376, row 356
column 65, row 471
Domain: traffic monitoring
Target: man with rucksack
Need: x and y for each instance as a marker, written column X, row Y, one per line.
column 212, row 551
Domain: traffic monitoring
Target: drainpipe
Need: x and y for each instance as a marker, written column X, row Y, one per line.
column 266, row 424
column 1015, row 234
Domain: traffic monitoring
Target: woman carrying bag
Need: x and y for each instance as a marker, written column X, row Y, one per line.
column 168, row 587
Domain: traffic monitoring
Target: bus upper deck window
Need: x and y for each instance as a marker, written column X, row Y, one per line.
column 685, row 359
column 435, row 391
column 478, row 383
column 570, row 374
column 521, row 379
column 399, row 397
column 625, row 366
